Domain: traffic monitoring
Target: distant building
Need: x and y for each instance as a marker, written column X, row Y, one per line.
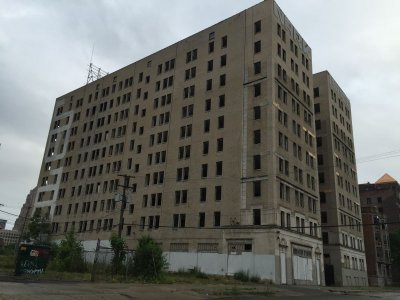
column 377, row 247
column 26, row 211
column 9, row 237
column 342, row 235
column 3, row 224
column 385, row 195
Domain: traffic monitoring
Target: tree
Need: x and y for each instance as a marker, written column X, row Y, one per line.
column 69, row 255
column 149, row 261
column 38, row 227
column 118, row 246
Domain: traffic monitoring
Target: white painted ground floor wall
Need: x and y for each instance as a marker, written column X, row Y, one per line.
column 224, row 264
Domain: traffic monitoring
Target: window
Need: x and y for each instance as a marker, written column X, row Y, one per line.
column 257, row 68
column 221, row 122
column 188, row 92
column 204, row 170
column 257, row 112
column 256, row 188
column 325, row 238
column 221, row 101
column 317, row 108
column 222, row 80
column 207, row 105
column 206, row 125
column 316, row 92
column 210, row 47
column 210, row 65
column 202, row 219
column 256, row 216
column 205, row 147
column 186, row 131
column 257, row 27
column 257, row 89
column 318, row 124
column 257, row 47
column 218, row 193
column 190, row 73
column 191, row 56
column 257, row 136
column 209, row 85
column 203, row 194
column 257, row 162
column 220, row 144
column 182, row 174
column 324, row 217
column 217, row 218
column 223, row 60
column 218, row 168
column 224, row 41
column 179, row 220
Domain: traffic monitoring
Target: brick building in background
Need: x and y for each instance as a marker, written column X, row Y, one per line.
column 383, row 197
column 377, row 247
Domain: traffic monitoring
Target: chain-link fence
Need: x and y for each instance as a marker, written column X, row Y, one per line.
column 100, row 264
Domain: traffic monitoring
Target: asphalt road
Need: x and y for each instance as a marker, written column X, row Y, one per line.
column 110, row 291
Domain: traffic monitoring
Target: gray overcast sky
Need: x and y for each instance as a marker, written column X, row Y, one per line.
column 45, row 47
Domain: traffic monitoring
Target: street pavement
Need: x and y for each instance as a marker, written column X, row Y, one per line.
column 110, row 291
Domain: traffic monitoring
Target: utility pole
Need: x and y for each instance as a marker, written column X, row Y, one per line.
column 125, row 186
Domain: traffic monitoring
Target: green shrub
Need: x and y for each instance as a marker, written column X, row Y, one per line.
column 148, row 261
column 242, row 276
column 196, row 272
column 118, row 246
column 69, row 256
column 255, row 278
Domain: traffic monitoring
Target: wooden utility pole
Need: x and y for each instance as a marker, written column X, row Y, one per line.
column 125, row 186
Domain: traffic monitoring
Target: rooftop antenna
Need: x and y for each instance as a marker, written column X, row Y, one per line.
column 95, row 72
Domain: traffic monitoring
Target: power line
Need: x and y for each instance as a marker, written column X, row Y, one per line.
column 272, row 226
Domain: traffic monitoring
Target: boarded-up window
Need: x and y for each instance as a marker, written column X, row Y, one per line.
column 207, row 247
column 179, row 247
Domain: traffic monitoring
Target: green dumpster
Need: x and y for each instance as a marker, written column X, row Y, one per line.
column 32, row 259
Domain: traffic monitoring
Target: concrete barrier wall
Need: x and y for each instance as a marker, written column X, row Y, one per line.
column 223, row 264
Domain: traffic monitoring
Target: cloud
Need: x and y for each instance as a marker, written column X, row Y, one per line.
column 46, row 46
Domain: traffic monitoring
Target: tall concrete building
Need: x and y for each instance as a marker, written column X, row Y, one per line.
column 218, row 132
column 342, row 234
column 3, row 224
column 26, row 211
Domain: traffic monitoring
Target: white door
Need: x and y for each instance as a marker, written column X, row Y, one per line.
column 318, row 272
column 283, row 268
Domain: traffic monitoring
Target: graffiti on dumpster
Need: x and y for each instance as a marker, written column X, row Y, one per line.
column 32, row 259
column 30, row 267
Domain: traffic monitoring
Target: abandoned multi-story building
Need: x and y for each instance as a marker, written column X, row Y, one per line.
column 342, row 232
column 218, row 131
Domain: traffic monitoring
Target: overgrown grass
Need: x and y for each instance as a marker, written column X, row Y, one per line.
column 237, row 291
column 244, row 276
column 7, row 262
